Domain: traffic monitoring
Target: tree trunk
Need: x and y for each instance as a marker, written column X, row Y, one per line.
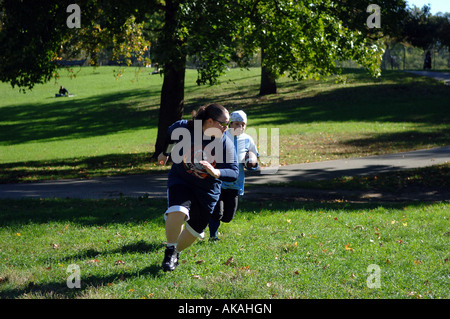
column 174, row 69
column 268, row 84
column 172, row 102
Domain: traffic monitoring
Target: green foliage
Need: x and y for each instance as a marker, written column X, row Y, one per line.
column 30, row 34
column 306, row 39
column 426, row 31
column 35, row 36
column 353, row 14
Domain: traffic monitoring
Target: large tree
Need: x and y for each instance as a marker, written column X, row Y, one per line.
column 33, row 33
column 300, row 38
column 202, row 29
column 425, row 30
column 306, row 39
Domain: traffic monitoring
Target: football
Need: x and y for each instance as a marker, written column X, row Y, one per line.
column 250, row 160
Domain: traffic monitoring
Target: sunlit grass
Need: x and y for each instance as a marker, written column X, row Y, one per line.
column 270, row 250
column 117, row 119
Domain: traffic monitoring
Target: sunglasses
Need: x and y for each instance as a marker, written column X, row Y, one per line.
column 224, row 124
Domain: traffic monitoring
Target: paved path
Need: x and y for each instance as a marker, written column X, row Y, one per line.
column 440, row 76
column 355, row 166
column 154, row 185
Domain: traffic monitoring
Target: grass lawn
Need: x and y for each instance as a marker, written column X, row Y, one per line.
column 109, row 127
column 271, row 250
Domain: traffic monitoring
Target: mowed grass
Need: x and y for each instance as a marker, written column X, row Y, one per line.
column 110, row 126
column 270, row 250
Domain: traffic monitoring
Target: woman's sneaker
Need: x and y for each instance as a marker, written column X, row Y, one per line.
column 170, row 261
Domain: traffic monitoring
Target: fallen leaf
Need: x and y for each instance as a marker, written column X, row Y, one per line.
column 229, row 260
column 347, row 247
column 196, row 277
column 296, row 272
column 18, row 234
column 417, row 262
column 119, row 262
column 55, row 246
column 199, row 262
column 92, row 261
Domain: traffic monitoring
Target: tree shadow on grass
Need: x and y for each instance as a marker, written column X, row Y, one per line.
column 82, row 212
column 80, row 167
column 396, row 97
column 421, row 102
column 371, row 103
column 60, row 289
column 85, row 213
column 77, row 118
column 139, row 247
column 410, row 99
column 407, row 140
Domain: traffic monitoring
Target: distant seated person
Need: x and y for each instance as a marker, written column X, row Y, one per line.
column 156, row 70
column 62, row 92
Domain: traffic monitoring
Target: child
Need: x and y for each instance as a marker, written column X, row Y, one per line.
column 227, row 205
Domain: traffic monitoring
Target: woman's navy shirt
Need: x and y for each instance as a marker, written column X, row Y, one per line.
column 186, row 168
